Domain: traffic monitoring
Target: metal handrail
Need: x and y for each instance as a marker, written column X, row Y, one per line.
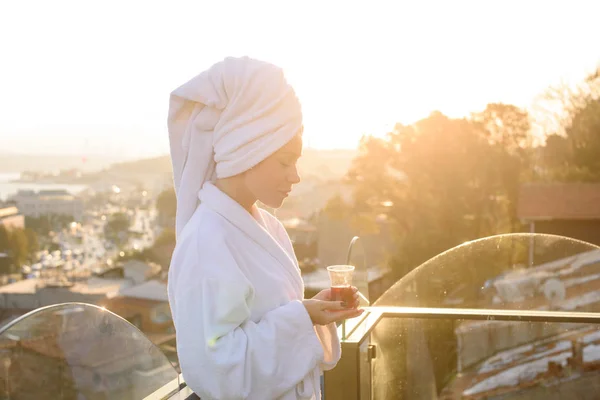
column 488, row 314
column 169, row 390
column 374, row 314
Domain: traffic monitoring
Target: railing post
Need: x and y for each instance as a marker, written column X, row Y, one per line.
column 342, row 382
column 351, row 378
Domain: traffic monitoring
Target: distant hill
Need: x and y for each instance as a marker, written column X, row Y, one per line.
column 325, row 164
column 155, row 165
column 314, row 166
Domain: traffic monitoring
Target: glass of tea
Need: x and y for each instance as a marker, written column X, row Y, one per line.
column 341, row 282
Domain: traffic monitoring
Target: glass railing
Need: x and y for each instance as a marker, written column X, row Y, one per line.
column 506, row 317
column 79, row 351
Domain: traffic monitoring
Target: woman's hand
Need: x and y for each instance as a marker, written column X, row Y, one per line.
column 325, row 295
column 324, row 312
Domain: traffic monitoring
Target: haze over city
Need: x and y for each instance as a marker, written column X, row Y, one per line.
column 444, row 198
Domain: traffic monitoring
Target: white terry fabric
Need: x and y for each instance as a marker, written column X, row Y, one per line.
column 225, row 121
column 235, row 293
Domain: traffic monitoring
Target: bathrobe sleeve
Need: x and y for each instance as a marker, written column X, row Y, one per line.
column 224, row 354
column 327, row 334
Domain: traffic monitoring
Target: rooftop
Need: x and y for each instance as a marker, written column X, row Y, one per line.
column 570, row 284
column 64, row 197
column 92, row 286
column 150, row 290
column 46, row 194
column 521, row 367
column 8, row 211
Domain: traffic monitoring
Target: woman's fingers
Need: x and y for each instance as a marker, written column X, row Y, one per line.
column 338, row 311
column 346, row 314
column 334, row 305
column 324, row 312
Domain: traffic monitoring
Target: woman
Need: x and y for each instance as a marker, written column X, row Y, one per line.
column 235, row 290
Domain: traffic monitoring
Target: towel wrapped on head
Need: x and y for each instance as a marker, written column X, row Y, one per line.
column 224, row 122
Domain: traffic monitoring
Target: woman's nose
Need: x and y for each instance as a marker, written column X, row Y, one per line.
column 294, row 176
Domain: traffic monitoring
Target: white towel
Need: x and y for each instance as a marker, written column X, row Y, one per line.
column 225, row 121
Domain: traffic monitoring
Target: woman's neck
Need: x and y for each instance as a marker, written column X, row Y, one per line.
column 235, row 189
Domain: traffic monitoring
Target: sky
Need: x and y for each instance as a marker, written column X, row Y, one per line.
column 83, row 77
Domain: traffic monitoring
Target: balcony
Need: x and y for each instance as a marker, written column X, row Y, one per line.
column 506, row 317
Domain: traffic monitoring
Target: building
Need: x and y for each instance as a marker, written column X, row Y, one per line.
column 565, row 209
column 46, row 202
column 134, row 271
column 29, row 294
column 139, row 272
column 146, row 306
column 11, row 218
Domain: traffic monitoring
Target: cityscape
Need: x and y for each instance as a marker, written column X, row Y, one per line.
column 446, row 155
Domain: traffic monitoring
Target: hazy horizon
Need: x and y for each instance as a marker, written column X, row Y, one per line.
column 94, row 79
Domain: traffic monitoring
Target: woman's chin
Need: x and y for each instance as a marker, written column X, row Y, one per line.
column 274, row 203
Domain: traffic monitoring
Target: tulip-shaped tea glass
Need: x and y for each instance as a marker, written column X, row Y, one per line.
column 341, row 282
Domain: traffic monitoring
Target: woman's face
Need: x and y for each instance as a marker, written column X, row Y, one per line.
column 271, row 181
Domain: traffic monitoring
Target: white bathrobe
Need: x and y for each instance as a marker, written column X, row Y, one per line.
column 235, row 292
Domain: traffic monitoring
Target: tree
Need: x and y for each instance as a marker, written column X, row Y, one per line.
column 117, row 227
column 19, row 246
column 32, row 240
column 166, row 237
column 583, row 141
column 43, row 224
column 166, row 205
column 4, row 239
column 505, row 125
column 508, row 131
column 336, row 208
column 571, row 152
column 160, row 252
column 145, row 255
column 442, row 181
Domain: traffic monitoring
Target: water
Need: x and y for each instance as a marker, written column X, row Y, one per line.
column 8, row 188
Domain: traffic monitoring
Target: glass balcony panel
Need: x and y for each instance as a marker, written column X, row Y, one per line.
column 79, row 351
column 434, row 356
column 464, row 359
